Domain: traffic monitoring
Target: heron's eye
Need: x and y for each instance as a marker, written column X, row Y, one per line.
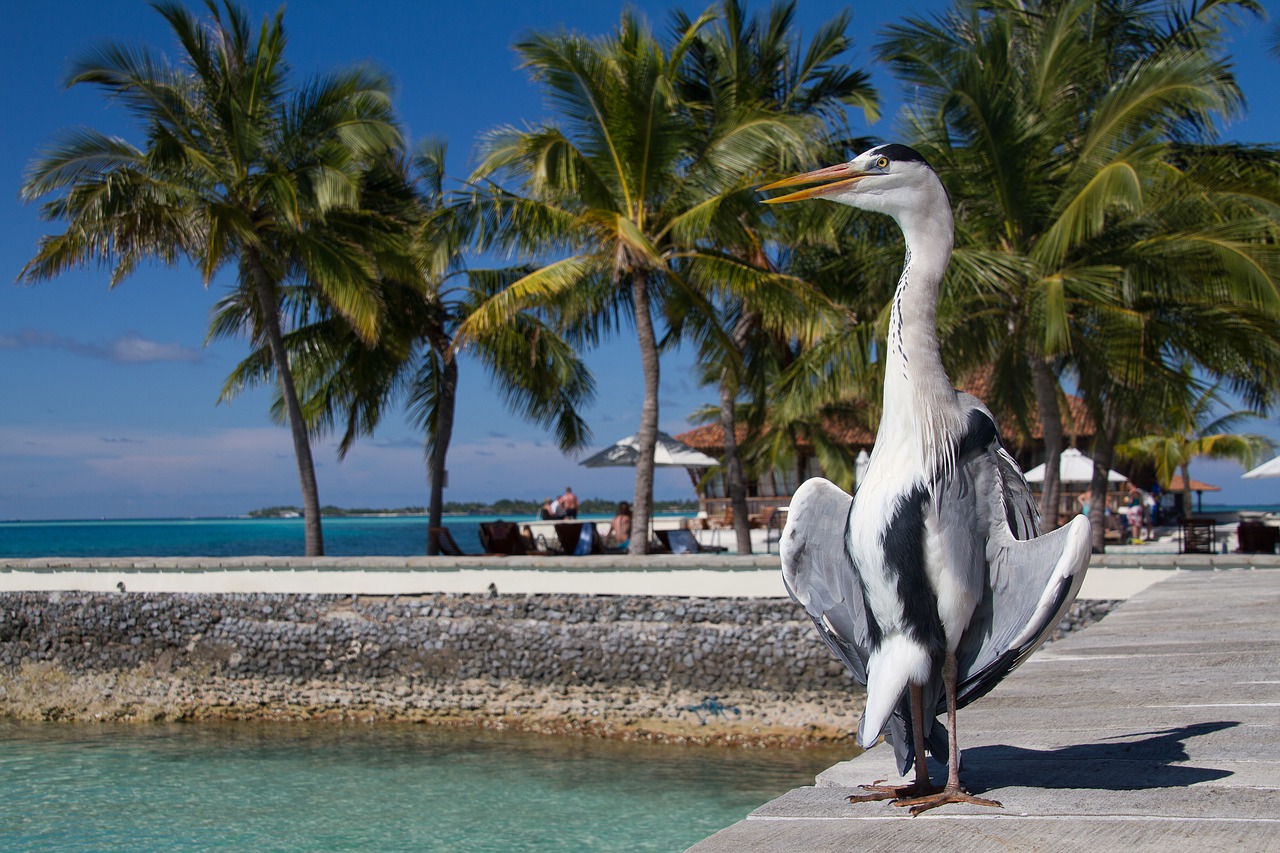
column 882, row 163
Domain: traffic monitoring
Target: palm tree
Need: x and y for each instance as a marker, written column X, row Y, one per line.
column 737, row 67
column 628, row 194
column 1201, row 291
column 239, row 166
column 1055, row 125
column 1192, row 430
column 347, row 384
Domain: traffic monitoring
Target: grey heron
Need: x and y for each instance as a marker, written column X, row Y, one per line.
column 934, row 582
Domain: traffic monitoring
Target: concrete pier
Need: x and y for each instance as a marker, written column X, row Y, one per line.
column 1156, row 729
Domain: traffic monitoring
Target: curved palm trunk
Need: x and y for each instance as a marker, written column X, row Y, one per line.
column 1046, row 390
column 647, row 436
column 270, row 313
column 441, row 439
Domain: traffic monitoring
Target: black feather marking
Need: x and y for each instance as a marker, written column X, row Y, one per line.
column 904, row 555
column 979, row 434
column 901, row 153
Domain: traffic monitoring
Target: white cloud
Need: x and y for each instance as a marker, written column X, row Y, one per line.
column 129, row 348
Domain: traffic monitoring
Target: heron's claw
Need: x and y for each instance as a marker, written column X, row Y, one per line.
column 880, row 791
column 919, row 805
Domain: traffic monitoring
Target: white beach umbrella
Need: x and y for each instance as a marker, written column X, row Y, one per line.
column 668, row 453
column 1073, row 467
column 1266, row 469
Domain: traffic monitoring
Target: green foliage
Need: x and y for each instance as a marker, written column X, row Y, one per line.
column 1095, row 215
column 239, row 165
column 1103, row 234
column 626, row 196
column 1189, row 427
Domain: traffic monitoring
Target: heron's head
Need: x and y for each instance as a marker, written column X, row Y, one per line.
column 889, row 179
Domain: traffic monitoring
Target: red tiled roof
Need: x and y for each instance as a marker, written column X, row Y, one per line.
column 1175, row 485
column 709, row 438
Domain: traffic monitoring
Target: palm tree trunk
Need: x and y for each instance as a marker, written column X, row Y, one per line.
column 441, row 437
column 734, row 472
column 647, row 436
column 1046, row 390
column 270, row 312
column 1187, row 509
column 1104, row 454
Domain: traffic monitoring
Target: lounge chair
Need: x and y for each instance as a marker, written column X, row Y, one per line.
column 502, row 538
column 720, row 522
column 684, row 542
column 445, row 544
column 505, row 539
column 580, row 538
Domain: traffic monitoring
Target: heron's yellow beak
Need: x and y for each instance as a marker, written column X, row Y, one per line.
column 830, row 180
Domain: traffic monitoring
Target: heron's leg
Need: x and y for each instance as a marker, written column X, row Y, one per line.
column 921, row 786
column 952, row 793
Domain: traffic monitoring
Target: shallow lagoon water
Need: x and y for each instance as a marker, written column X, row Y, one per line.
column 291, row 787
column 389, row 536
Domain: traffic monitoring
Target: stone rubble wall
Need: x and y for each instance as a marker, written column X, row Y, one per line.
column 705, row 645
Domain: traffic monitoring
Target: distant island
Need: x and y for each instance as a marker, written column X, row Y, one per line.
column 506, row 506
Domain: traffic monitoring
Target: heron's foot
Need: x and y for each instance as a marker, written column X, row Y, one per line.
column 949, row 794
column 880, row 791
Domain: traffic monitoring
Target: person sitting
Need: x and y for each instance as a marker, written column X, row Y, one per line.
column 620, row 527
column 551, row 509
column 568, row 503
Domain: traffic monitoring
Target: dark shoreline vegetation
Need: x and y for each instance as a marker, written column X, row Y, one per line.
column 506, row 506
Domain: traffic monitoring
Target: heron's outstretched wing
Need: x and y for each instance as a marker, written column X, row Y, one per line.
column 1030, row 579
column 820, row 573
column 1031, row 585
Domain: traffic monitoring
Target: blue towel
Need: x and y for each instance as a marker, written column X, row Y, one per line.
column 585, row 540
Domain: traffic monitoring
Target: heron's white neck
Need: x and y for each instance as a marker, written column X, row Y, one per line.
column 918, row 397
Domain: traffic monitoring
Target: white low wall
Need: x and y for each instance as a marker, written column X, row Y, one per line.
column 699, row 576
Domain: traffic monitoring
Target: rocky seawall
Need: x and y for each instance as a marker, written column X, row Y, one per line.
column 748, row 671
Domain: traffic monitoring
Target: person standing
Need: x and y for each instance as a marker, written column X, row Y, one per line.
column 569, row 503
column 1134, row 512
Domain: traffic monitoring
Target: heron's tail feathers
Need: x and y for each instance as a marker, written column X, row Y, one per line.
column 898, row 662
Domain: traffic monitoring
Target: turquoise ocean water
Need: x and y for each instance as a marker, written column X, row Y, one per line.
column 292, row 787
column 232, row 537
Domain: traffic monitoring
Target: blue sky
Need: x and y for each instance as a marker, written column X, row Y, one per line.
column 110, row 396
